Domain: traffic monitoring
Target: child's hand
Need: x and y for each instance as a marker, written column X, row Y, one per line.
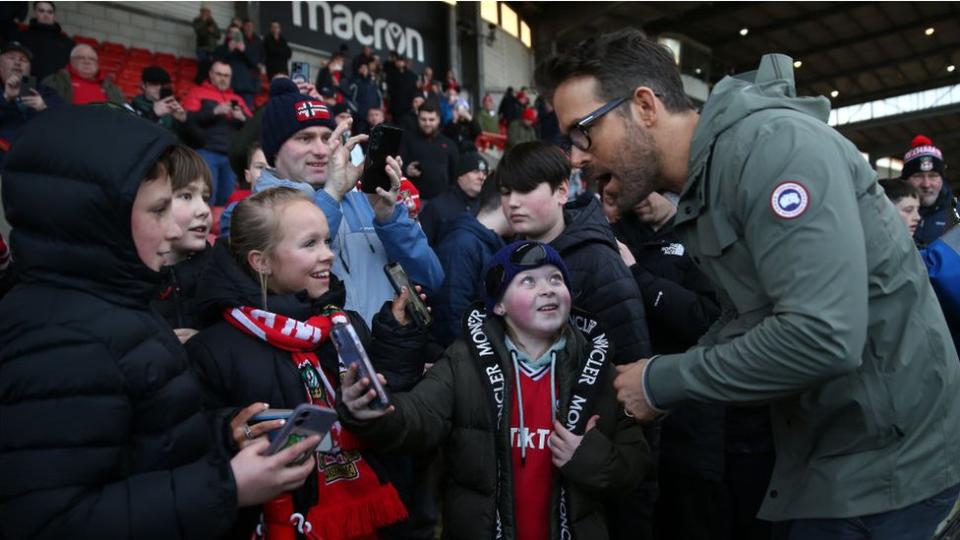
column 357, row 397
column 398, row 307
column 563, row 443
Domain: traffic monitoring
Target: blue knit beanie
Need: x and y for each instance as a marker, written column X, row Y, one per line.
column 287, row 112
column 513, row 259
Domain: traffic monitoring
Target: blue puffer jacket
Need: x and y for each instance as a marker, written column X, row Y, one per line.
column 942, row 258
column 462, row 253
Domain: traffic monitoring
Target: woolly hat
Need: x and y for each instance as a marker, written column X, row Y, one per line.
column 922, row 157
column 470, row 161
column 155, row 75
column 409, row 195
column 513, row 259
column 287, row 112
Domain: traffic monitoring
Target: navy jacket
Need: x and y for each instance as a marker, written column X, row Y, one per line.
column 934, row 218
column 463, row 252
column 438, row 217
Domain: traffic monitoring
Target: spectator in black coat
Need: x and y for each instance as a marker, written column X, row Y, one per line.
column 242, row 59
column 17, row 106
column 109, row 437
column 363, row 92
column 510, row 107
column 276, row 51
column 461, row 198
column 50, row 46
column 402, row 86
column 429, row 158
column 464, row 130
column 681, row 305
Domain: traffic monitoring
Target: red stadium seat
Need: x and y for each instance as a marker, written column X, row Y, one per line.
column 136, row 52
column 165, row 58
column 87, row 40
column 113, row 48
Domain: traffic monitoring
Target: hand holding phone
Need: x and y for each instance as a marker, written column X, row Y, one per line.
column 415, row 307
column 306, row 420
column 299, row 72
column 352, row 353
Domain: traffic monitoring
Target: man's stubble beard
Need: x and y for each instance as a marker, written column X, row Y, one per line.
column 637, row 167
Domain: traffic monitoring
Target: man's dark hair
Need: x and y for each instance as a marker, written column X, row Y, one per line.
column 529, row 164
column 897, row 189
column 52, row 6
column 620, row 61
column 489, row 197
column 427, row 107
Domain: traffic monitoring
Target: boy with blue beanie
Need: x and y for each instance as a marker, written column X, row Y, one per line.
column 523, row 405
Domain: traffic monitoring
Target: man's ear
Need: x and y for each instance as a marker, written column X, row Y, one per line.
column 645, row 106
column 258, row 262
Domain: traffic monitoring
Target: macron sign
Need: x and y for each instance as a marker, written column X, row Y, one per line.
column 412, row 29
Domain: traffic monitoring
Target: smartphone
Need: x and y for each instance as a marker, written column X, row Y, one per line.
column 235, row 104
column 351, row 352
column 165, row 92
column 270, row 414
column 415, row 306
column 384, row 141
column 299, row 71
column 304, row 421
column 27, row 84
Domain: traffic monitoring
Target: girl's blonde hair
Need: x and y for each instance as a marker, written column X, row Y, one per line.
column 255, row 226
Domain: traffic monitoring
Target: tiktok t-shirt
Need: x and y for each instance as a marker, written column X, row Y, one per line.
column 532, row 477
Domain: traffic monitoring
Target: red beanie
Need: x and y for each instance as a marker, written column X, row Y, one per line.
column 530, row 114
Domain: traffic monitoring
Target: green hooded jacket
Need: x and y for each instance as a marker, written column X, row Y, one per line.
column 829, row 317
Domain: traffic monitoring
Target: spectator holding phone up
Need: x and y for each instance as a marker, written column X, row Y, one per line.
column 23, row 99
column 103, row 430
column 274, row 275
column 158, row 104
column 303, row 146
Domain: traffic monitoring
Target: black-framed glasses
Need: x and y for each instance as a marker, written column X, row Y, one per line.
column 579, row 133
column 528, row 255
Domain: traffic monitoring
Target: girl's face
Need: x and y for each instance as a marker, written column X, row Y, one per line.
column 301, row 259
column 192, row 214
column 151, row 222
column 536, row 303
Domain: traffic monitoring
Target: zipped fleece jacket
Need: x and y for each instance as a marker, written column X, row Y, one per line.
column 833, row 320
column 453, row 406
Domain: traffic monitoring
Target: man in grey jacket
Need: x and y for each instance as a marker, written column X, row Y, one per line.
column 828, row 313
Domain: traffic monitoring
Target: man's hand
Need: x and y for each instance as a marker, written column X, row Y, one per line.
column 626, row 254
column 238, row 114
column 343, row 175
column 384, row 201
column 34, row 101
column 563, row 443
column 225, row 108
column 161, row 107
column 11, row 87
column 308, row 89
column 177, row 110
column 413, row 170
column 629, row 387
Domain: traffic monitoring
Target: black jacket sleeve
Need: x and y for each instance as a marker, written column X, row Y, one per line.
column 687, row 309
column 397, row 351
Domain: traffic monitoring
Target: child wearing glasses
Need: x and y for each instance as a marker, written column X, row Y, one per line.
column 524, row 407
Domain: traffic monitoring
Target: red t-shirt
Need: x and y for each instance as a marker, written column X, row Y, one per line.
column 532, row 479
column 86, row 90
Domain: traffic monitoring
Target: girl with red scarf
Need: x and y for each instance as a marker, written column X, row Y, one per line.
column 275, row 295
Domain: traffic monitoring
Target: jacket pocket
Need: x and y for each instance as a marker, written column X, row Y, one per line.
column 715, row 233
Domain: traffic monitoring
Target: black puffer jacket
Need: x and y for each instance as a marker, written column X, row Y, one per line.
column 177, row 300
column 602, row 283
column 102, row 434
column 237, row 369
column 452, row 406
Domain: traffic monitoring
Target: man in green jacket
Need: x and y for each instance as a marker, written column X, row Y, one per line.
column 828, row 316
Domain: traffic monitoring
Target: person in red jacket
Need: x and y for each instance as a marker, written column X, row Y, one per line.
column 220, row 113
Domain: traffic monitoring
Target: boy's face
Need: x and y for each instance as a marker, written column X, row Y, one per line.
column 192, row 215
column 536, row 303
column 258, row 162
column 535, row 213
column 909, row 208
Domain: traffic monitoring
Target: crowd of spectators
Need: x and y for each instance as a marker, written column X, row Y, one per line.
column 201, row 262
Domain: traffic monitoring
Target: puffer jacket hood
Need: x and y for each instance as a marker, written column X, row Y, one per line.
column 225, row 284
column 585, row 224
column 68, row 194
column 738, row 96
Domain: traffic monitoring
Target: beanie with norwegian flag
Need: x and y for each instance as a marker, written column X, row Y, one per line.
column 923, row 156
column 287, row 112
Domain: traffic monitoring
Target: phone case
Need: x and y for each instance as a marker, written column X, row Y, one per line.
column 415, row 306
column 384, row 141
column 305, row 421
column 351, row 352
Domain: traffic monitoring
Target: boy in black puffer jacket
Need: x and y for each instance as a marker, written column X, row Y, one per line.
column 102, row 432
